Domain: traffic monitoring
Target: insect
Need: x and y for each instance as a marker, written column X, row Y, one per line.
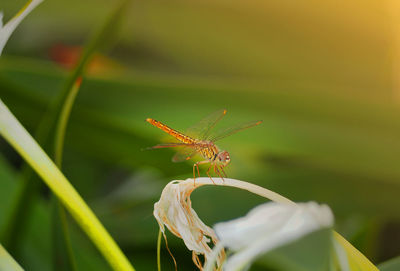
column 198, row 139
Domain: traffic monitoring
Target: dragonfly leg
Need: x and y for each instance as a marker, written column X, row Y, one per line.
column 216, row 170
column 223, row 171
column 208, row 173
column 194, row 172
column 196, row 165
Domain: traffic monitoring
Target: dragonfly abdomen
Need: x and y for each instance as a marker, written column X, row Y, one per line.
column 181, row 137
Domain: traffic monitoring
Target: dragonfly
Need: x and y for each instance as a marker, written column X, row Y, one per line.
column 200, row 140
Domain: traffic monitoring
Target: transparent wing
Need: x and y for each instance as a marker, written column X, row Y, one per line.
column 168, row 145
column 184, row 152
column 202, row 129
column 233, row 130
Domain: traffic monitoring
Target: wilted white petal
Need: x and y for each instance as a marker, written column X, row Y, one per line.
column 8, row 28
column 174, row 210
column 269, row 226
column 264, row 228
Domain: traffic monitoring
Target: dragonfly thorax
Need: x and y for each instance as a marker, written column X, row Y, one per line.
column 210, row 151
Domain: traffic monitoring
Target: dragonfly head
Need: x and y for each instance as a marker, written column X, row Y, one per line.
column 223, row 158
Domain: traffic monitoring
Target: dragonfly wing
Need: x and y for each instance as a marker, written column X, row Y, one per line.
column 202, row 129
column 233, row 130
column 185, row 151
column 183, row 154
column 167, row 145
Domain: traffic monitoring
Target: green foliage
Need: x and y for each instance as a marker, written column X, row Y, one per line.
column 108, row 128
column 312, row 252
column 28, row 148
column 7, row 262
column 330, row 130
column 391, row 265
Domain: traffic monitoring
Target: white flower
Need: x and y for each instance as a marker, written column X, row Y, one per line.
column 267, row 227
column 174, row 210
column 8, row 28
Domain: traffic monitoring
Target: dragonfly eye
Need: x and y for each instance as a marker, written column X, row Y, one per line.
column 223, row 157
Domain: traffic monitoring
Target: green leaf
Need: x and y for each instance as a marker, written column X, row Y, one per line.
column 7, row 191
column 63, row 255
column 28, row 188
column 7, row 262
column 390, row 265
column 311, row 252
column 37, row 249
column 65, row 100
column 357, row 261
column 20, row 139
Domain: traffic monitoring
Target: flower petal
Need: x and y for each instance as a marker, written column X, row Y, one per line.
column 269, row 226
column 174, row 210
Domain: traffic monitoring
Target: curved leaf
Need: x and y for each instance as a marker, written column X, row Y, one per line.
column 7, row 262
column 27, row 147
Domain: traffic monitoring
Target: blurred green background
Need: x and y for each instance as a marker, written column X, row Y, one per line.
column 322, row 75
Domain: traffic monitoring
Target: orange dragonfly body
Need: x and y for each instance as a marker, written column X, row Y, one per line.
column 199, row 140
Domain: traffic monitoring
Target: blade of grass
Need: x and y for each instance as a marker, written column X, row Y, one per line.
column 63, row 257
column 7, row 262
column 66, row 99
column 63, row 120
column 28, row 148
column 28, row 187
column 63, row 254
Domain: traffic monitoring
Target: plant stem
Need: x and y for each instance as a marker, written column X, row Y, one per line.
column 63, row 121
column 63, row 254
column 159, row 250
